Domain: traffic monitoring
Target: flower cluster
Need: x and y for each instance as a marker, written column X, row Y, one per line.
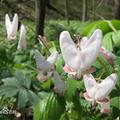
column 78, row 61
column 12, row 27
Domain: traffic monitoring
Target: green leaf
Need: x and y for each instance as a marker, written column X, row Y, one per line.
column 11, row 82
column 22, row 98
column 20, row 58
column 107, row 41
column 8, row 91
column 38, row 109
column 59, row 64
column 116, row 38
column 111, row 39
column 33, row 98
column 18, row 66
column 101, row 24
column 22, row 79
column 115, row 102
column 50, row 108
column 71, row 88
column 3, row 54
column 47, row 84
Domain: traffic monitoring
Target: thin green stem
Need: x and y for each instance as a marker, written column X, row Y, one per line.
column 111, row 25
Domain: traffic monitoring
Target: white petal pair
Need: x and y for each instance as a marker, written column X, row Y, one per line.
column 22, row 40
column 99, row 91
column 11, row 26
column 83, row 57
column 45, row 67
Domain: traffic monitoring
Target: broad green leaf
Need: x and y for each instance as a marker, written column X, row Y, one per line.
column 11, row 82
column 103, row 25
column 22, row 98
column 23, row 79
column 116, row 38
column 8, row 91
column 50, row 108
column 115, row 102
column 59, row 64
column 72, row 86
column 107, row 41
column 37, row 110
column 33, row 98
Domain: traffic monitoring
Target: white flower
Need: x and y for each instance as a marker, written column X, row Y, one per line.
column 81, row 58
column 99, row 91
column 11, row 26
column 22, row 40
column 107, row 55
column 45, row 67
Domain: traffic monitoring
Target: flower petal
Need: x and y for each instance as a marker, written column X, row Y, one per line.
column 69, row 70
column 105, row 107
column 104, row 100
column 105, row 87
column 14, row 27
column 59, row 84
column 107, row 55
column 90, row 85
column 42, row 64
column 91, row 70
column 8, row 24
column 89, row 82
column 69, row 50
column 83, row 43
column 52, row 58
column 87, row 97
column 92, row 50
column 22, row 41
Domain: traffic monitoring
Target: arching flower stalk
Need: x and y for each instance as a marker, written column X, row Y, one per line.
column 45, row 67
column 42, row 40
column 79, row 58
column 11, row 26
column 22, row 41
column 99, row 92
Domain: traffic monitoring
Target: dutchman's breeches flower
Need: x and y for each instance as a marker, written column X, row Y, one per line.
column 11, row 26
column 107, row 55
column 80, row 58
column 59, row 84
column 22, row 40
column 98, row 92
column 46, row 70
column 45, row 67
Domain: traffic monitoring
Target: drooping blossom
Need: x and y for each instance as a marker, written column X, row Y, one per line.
column 22, row 41
column 59, row 85
column 109, row 56
column 79, row 59
column 99, row 92
column 11, row 26
column 45, row 67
